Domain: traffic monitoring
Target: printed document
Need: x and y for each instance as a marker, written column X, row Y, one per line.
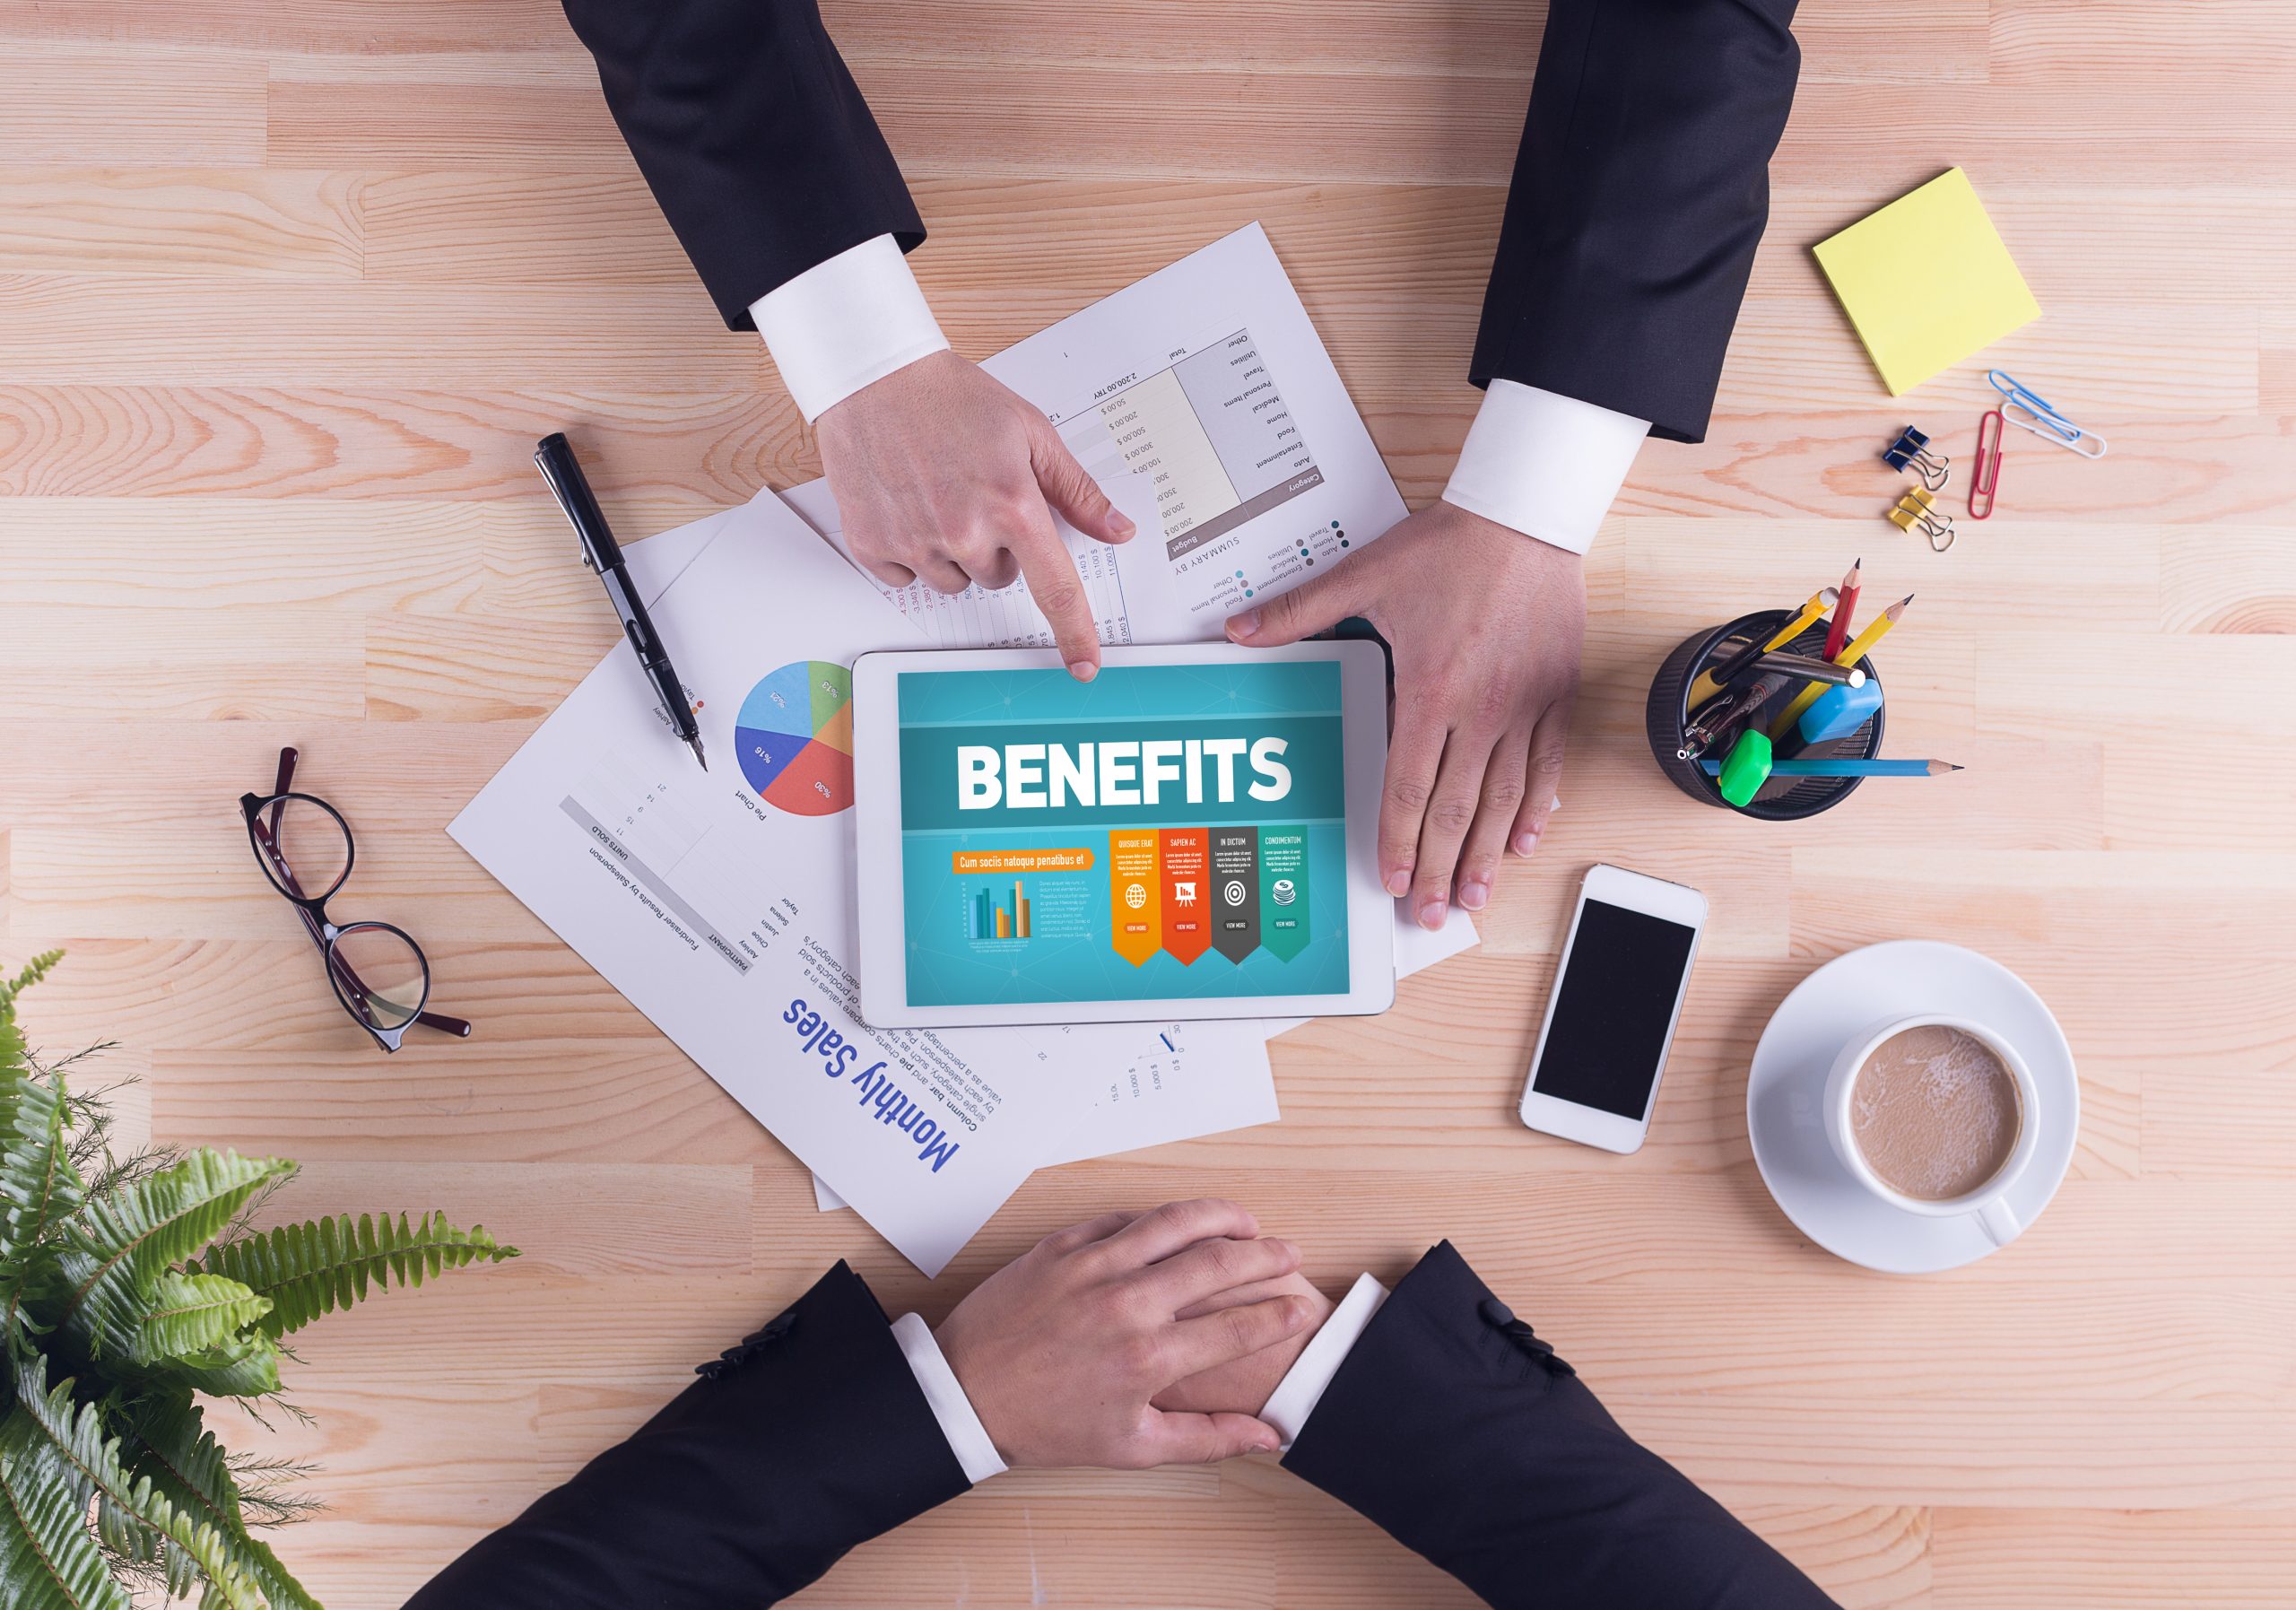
column 1207, row 382
column 721, row 903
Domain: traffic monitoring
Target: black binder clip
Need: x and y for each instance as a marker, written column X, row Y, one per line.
column 1911, row 451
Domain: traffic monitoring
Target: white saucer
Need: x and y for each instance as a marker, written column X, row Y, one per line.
column 1850, row 993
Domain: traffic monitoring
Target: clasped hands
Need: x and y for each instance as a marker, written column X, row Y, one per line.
column 946, row 478
column 1134, row 1339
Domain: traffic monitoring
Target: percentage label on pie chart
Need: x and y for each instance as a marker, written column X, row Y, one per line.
column 795, row 737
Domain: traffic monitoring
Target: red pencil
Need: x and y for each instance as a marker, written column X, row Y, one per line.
column 1838, row 633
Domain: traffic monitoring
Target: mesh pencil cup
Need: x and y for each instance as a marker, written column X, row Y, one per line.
column 1781, row 798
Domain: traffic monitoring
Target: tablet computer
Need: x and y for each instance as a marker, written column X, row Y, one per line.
column 1188, row 835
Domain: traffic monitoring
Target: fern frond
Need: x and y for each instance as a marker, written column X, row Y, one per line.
column 241, row 1366
column 34, row 971
column 190, row 1313
column 120, row 1245
column 40, row 1187
column 133, row 1520
column 87, row 1115
column 190, row 1468
column 311, row 1269
column 268, row 1488
column 48, row 1559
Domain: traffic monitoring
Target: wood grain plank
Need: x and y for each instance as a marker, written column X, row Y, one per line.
column 475, row 227
column 251, row 553
column 500, row 669
column 552, row 116
column 2118, row 44
column 2080, row 1559
column 82, row 661
column 697, row 449
column 289, row 26
column 2188, row 1457
column 2209, row 1119
column 2228, row 579
column 227, row 223
column 122, row 328
column 76, row 105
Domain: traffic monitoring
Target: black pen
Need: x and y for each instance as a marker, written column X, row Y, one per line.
column 555, row 459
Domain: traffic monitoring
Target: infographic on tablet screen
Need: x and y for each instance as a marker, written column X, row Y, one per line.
column 1160, row 831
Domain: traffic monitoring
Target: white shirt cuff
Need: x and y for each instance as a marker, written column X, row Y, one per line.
column 1545, row 464
column 1302, row 1387
column 968, row 1438
column 846, row 322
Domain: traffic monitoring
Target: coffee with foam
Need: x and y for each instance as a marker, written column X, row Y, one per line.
column 1934, row 1113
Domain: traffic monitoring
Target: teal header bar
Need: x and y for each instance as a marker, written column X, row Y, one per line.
column 1064, row 774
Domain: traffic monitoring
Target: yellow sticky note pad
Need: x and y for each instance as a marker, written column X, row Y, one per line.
column 1927, row 281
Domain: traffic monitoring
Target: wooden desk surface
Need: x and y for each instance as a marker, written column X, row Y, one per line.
column 287, row 291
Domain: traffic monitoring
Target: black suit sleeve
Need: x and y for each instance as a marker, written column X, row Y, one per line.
column 1461, row 1434
column 809, row 1439
column 751, row 133
column 1640, row 190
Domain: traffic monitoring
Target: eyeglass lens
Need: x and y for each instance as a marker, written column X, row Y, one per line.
column 378, row 968
column 312, row 841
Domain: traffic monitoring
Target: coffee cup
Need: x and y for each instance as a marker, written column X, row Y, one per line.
column 1967, row 1123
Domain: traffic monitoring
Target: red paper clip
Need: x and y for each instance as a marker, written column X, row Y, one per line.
column 1987, row 474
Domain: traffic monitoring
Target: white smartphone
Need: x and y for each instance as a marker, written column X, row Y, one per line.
column 1610, row 1017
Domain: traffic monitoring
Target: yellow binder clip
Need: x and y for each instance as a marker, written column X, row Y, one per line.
column 1918, row 511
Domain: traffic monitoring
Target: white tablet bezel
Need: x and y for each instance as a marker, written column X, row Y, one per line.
column 882, row 913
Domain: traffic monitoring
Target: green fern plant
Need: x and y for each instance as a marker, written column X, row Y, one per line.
column 130, row 1288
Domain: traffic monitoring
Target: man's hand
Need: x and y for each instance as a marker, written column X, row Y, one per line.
column 1246, row 1383
column 1486, row 625
column 1061, row 1350
column 943, row 476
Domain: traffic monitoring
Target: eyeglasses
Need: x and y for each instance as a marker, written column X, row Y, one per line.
column 379, row 974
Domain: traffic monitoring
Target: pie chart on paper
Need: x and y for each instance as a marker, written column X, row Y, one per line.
column 795, row 737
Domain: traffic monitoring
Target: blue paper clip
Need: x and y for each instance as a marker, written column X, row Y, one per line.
column 1911, row 451
column 2042, row 421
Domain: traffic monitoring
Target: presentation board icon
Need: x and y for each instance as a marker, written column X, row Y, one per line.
column 793, row 737
column 1184, row 893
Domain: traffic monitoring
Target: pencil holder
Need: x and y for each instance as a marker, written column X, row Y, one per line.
column 1665, row 718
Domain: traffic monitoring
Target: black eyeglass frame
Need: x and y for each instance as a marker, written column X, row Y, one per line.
column 350, row 990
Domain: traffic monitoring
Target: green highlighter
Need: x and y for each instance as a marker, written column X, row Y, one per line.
column 1748, row 767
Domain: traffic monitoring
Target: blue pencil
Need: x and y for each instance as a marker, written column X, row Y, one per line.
column 1848, row 768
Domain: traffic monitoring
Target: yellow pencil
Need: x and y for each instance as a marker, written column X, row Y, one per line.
column 1704, row 687
column 1852, row 652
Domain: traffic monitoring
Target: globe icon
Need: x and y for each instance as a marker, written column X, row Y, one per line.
column 1136, row 897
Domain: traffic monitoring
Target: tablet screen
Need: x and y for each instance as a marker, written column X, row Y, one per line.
column 1160, row 832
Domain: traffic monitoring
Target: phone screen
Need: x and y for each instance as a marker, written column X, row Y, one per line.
column 1613, row 1010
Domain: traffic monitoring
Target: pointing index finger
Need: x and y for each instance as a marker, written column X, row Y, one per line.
column 1059, row 592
